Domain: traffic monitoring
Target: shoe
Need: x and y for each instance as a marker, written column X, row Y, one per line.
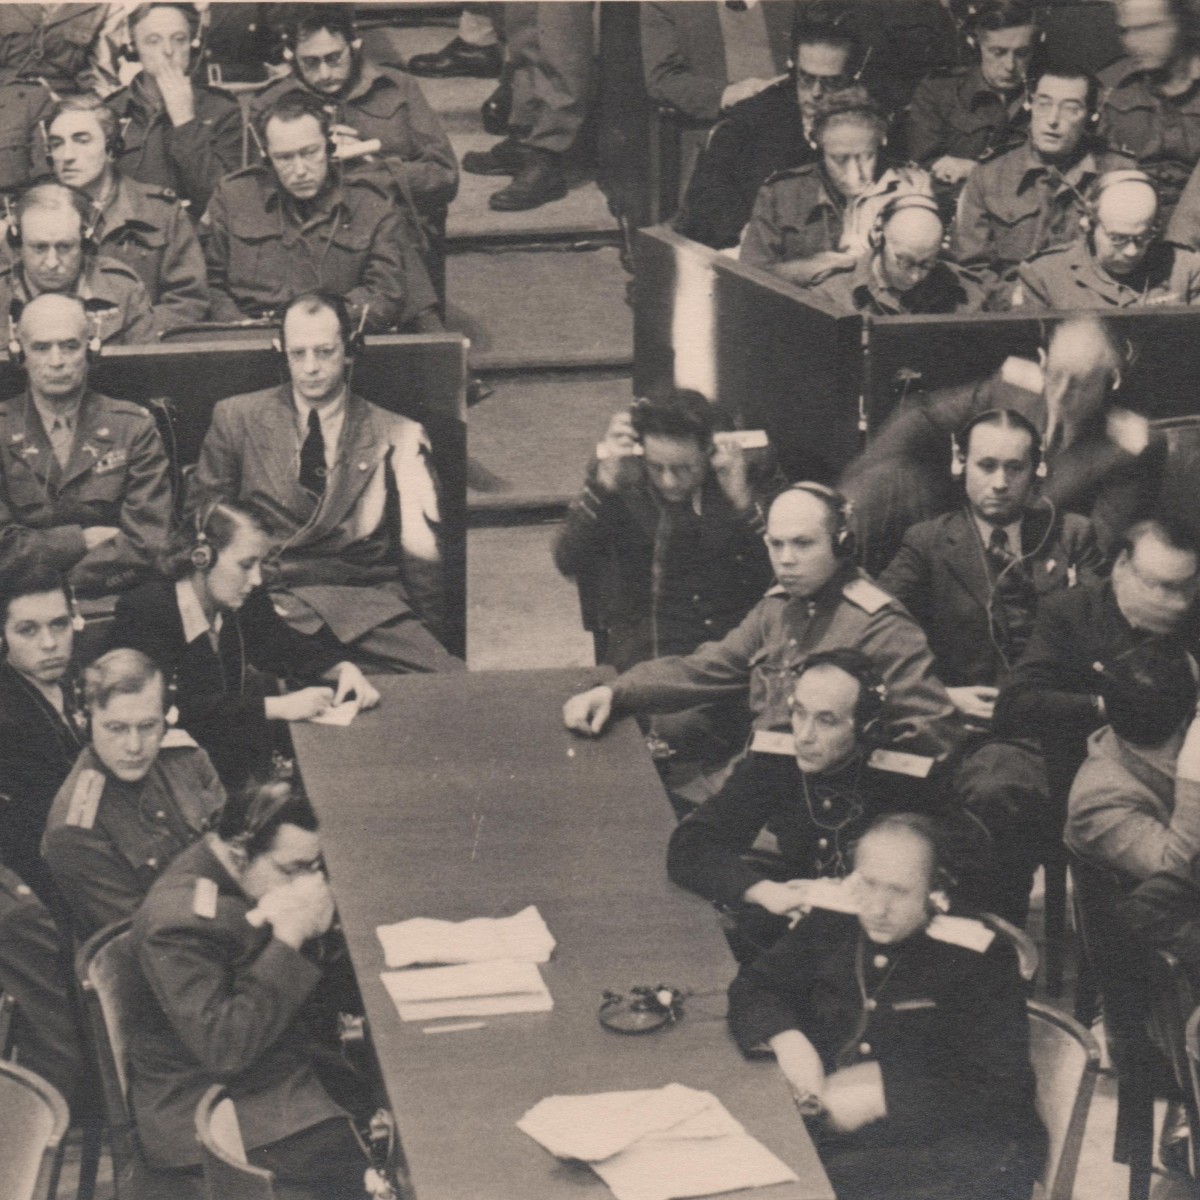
column 458, row 58
column 539, row 181
column 496, row 110
column 504, row 158
column 1173, row 1144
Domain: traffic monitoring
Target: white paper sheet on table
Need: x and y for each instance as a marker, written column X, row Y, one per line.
column 342, row 714
column 468, row 990
column 658, row 1144
column 522, row 937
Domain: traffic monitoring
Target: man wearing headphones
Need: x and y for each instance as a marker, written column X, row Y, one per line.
column 814, row 220
column 815, row 790
column 296, row 224
column 974, row 577
column 51, row 234
column 136, row 796
column 175, row 134
column 84, row 479
column 822, row 601
column 903, row 1032
column 1025, row 199
column 1122, row 260
column 139, row 224
column 318, row 463
column 960, row 114
column 902, row 270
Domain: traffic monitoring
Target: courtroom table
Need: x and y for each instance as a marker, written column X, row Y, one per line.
column 462, row 796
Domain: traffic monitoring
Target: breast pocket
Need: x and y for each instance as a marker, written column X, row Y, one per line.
column 258, row 273
column 1015, row 233
column 342, row 268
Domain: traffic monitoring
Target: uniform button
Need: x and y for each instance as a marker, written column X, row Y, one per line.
column 864, row 1048
column 823, row 843
column 879, row 962
column 152, row 863
column 708, row 622
column 160, row 815
column 871, row 1004
column 696, row 598
column 826, row 804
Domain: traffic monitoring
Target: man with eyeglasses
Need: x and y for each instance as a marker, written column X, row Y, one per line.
column 1032, row 197
column 297, row 223
column 321, row 466
column 903, row 271
column 136, row 797
column 1122, row 261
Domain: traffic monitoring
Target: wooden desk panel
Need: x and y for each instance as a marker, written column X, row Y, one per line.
column 464, row 796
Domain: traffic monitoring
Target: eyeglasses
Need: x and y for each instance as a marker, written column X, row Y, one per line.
column 311, row 62
column 907, row 263
column 823, row 83
column 309, row 155
column 1122, row 241
column 1047, row 105
column 306, row 866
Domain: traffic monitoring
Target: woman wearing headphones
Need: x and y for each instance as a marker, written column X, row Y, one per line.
column 211, row 626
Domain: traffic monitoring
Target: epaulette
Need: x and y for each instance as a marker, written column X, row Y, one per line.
column 114, row 266
column 864, row 594
column 85, row 799
column 368, row 180
column 165, row 194
column 1002, row 148
column 1050, row 251
column 900, row 762
column 177, row 739
column 790, row 173
column 961, row 931
column 248, row 172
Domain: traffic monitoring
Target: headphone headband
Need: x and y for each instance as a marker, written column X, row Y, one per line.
column 841, row 508
column 1006, row 418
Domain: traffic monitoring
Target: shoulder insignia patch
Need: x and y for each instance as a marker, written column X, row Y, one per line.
column 204, row 899
column 961, row 931
column 85, row 799
column 897, row 762
column 766, row 741
column 866, row 595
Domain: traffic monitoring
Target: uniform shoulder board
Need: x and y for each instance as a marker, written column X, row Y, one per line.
column 178, row 739
column 947, row 71
column 899, row 762
column 85, row 799
column 961, row 931
column 1002, row 148
column 790, row 173
column 769, row 741
column 166, row 194
column 866, row 595
column 204, row 898
column 113, row 266
column 249, row 172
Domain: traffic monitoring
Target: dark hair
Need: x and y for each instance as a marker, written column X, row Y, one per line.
column 680, row 413
column 28, row 576
column 88, row 102
column 872, row 695
column 314, row 302
column 1000, row 418
column 142, row 11
column 826, row 24
column 219, row 522
column 120, row 672
column 252, row 817
column 1063, row 68
column 295, row 106
column 1148, row 693
column 1167, row 530
column 849, row 107
column 307, row 19
column 990, row 16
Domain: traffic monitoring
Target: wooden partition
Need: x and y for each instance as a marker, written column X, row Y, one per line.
column 420, row 376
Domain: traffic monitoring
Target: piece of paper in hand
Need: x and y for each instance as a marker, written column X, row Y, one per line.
column 469, row 990
column 522, row 937
column 341, row 714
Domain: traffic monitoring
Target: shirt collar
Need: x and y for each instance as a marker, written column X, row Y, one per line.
column 1033, row 167
column 329, row 415
column 49, row 414
column 1013, row 532
column 195, row 622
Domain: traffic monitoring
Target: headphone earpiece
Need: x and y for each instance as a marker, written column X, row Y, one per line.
column 960, row 441
column 202, row 555
column 898, row 204
column 78, row 621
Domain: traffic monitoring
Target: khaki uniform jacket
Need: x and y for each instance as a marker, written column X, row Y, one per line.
column 190, row 158
column 145, row 227
column 948, row 288
column 1012, row 206
column 1068, row 277
column 261, row 253
column 335, row 550
column 388, row 104
column 107, row 841
column 756, row 660
column 954, row 112
column 117, row 475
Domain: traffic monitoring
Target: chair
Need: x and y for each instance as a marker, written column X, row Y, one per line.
column 1022, row 943
column 1191, row 1038
column 227, row 1174
column 1066, row 1061
column 31, row 1134
column 1172, row 1002
column 8, row 1008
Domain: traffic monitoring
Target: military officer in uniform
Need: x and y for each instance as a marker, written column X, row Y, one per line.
column 84, row 479
column 174, row 133
column 902, row 1031
column 903, row 271
column 297, row 224
column 1122, row 261
column 815, row 789
column 142, row 225
column 1030, row 197
column 135, row 798
column 813, row 220
column 822, row 602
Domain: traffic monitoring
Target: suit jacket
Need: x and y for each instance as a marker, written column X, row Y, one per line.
column 117, row 475
column 332, row 552
column 941, row 576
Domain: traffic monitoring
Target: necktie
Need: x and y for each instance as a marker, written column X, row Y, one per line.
column 61, row 437
column 1015, row 600
column 998, row 549
column 312, row 456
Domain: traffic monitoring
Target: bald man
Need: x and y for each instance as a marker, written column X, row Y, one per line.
column 84, row 479
column 1122, row 262
column 902, row 271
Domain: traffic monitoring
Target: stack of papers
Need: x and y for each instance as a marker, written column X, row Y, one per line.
column 519, row 938
column 660, row 1144
column 470, row 990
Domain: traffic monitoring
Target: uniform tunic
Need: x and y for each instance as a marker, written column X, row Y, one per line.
column 954, row 112
column 117, row 475
column 263, row 248
column 105, row 853
column 948, row 288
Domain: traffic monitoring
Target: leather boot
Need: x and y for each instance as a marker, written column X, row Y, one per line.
column 504, row 158
column 457, row 57
column 539, row 180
